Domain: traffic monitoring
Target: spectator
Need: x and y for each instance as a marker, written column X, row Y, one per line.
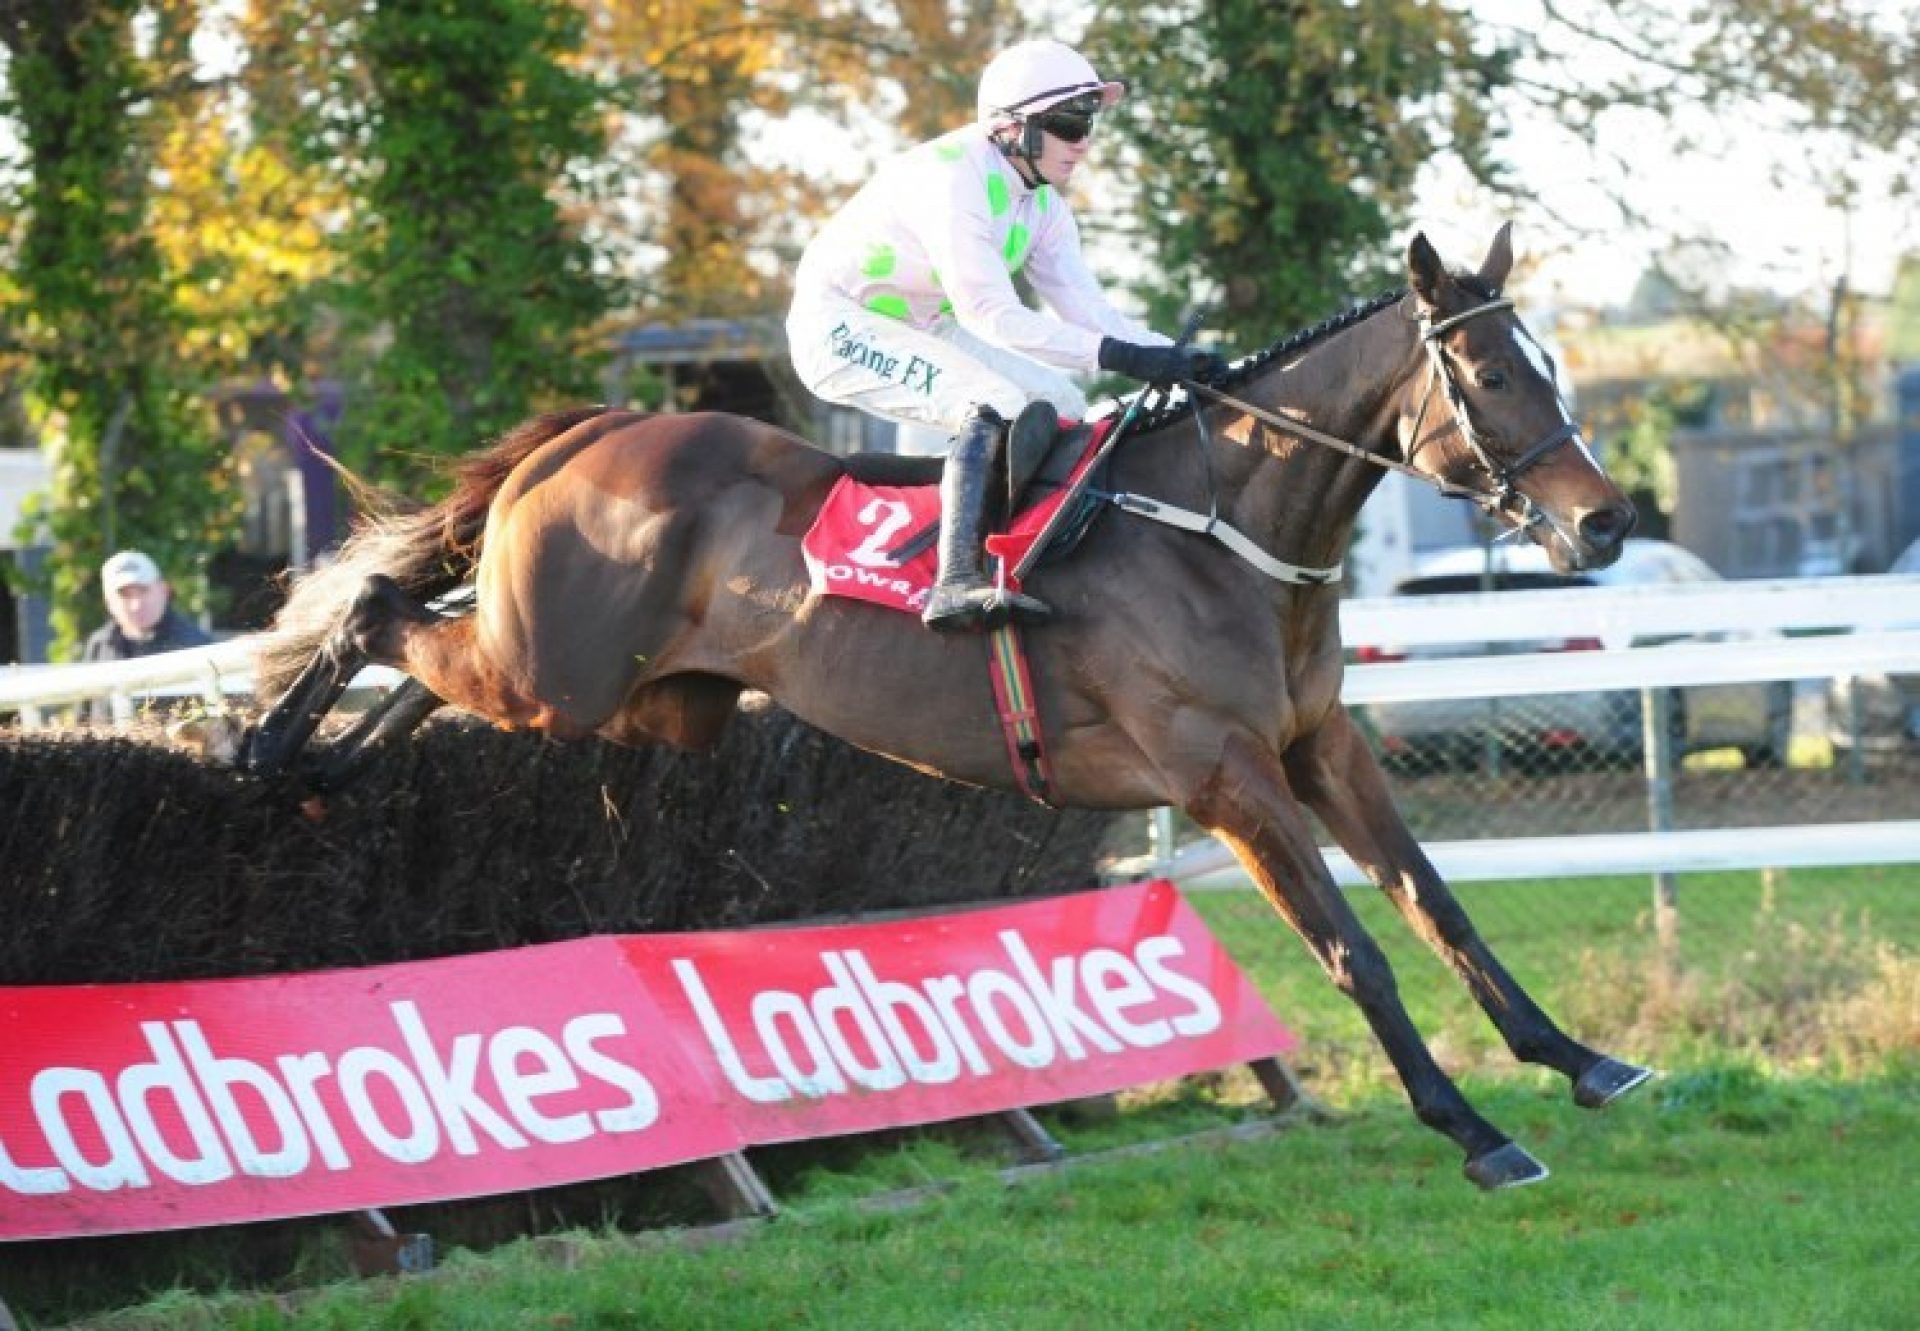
column 142, row 620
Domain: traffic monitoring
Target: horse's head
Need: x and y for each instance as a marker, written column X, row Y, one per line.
column 1490, row 416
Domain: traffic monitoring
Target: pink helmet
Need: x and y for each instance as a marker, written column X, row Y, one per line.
column 1031, row 76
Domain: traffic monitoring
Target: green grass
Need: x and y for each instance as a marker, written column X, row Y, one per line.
column 1768, row 1179
column 1817, row 971
column 1725, row 1198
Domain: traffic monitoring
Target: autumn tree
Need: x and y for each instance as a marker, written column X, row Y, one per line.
column 715, row 190
column 1824, row 95
column 1835, row 82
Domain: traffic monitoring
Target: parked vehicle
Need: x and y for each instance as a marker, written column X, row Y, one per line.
column 1888, row 716
column 1572, row 729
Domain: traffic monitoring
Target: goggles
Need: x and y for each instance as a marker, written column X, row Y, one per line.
column 1069, row 121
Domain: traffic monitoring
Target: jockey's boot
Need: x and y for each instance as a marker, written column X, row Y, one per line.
column 963, row 600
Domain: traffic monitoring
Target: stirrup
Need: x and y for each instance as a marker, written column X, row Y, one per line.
column 1017, row 607
column 965, row 607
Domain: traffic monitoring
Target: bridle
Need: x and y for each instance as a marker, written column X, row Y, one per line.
column 1501, row 496
column 1503, row 475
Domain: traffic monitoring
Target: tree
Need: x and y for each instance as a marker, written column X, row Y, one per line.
column 92, row 303
column 704, row 81
column 1822, row 96
column 1276, row 145
column 1904, row 342
column 469, row 296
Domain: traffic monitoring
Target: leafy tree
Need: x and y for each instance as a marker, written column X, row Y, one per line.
column 1639, row 456
column 1276, row 145
column 469, row 296
column 92, row 303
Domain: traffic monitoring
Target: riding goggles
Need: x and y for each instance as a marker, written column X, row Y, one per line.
column 1070, row 121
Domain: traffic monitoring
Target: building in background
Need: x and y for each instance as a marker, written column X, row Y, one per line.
column 1790, row 457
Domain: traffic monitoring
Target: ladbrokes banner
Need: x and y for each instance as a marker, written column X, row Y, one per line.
column 141, row 1107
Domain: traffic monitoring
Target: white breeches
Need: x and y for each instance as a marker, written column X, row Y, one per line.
column 924, row 379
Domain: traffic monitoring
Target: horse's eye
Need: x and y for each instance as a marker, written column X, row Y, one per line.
column 1494, row 380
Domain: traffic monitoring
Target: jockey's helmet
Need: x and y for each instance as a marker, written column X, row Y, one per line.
column 1031, row 76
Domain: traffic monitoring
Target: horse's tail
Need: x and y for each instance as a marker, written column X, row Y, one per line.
column 429, row 550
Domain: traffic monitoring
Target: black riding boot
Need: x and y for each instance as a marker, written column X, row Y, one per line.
column 963, row 599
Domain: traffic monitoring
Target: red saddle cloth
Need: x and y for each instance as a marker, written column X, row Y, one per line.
column 846, row 548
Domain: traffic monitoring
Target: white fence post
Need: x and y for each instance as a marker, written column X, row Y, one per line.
column 1656, row 714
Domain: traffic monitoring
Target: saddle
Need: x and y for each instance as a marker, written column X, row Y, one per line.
column 1031, row 474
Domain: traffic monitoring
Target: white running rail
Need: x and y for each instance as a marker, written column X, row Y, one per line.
column 1867, row 625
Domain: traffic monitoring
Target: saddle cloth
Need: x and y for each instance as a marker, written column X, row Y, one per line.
column 847, row 547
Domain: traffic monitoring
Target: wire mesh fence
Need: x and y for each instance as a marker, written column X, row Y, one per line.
column 1802, row 963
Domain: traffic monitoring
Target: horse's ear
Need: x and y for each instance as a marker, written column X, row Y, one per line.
column 1499, row 261
column 1425, row 273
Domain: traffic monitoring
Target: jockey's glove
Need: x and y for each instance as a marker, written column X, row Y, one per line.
column 1160, row 365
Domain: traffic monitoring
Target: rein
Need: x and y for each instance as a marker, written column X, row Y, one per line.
column 1503, row 493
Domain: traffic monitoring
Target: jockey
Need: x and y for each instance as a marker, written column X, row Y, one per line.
column 904, row 304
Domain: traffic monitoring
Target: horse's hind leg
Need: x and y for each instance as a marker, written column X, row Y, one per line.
column 351, row 753
column 284, row 732
column 1335, row 773
column 1246, row 802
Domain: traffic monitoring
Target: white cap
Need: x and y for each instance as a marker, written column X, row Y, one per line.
column 1031, row 76
column 128, row 568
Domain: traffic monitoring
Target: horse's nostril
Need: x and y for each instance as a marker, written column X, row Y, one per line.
column 1603, row 527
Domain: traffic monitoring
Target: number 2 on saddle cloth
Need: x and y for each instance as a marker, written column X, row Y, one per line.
column 851, row 548
column 851, row 551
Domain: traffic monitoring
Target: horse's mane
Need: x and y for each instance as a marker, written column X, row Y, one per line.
column 1248, row 367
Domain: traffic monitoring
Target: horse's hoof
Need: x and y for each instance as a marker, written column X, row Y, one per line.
column 1508, row 1166
column 1606, row 1081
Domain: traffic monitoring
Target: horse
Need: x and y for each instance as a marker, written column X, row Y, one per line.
column 632, row 574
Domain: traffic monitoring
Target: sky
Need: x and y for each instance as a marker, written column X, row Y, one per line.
column 1780, row 238
column 1749, row 186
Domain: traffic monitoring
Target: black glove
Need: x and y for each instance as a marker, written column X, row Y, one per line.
column 1160, row 365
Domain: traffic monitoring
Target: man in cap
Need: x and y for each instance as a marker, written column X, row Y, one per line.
column 142, row 620
column 904, row 304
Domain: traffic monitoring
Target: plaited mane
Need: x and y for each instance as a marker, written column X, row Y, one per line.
column 1248, row 366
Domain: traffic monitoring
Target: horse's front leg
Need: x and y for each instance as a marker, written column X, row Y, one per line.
column 1334, row 772
column 1246, row 801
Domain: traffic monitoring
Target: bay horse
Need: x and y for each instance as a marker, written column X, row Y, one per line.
column 633, row 574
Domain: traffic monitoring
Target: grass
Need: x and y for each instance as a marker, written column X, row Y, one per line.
column 1817, row 970
column 1768, row 1179
column 1726, row 1198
